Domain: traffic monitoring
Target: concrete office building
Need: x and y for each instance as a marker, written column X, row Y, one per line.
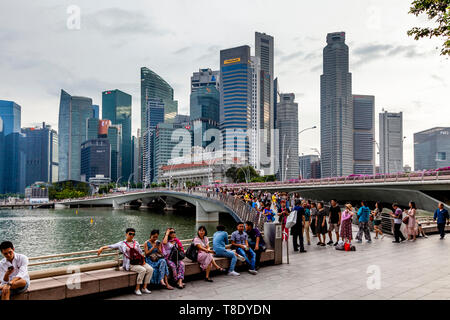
column 432, row 148
column 41, row 151
column 115, row 140
column 287, row 125
column 305, row 164
column 235, row 98
column 116, row 106
column 264, row 52
column 204, row 105
column 391, row 142
column 255, row 133
column 95, row 159
column 336, row 109
column 363, row 134
column 73, row 113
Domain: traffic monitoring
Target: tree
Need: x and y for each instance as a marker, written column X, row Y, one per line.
column 232, row 173
column 246, row 174
column 435, row 9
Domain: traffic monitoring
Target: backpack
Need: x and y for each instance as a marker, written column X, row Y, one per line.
column 291, row 219
column 176, row 254
column 192, row 252
column 340, row 246
column 135, row 256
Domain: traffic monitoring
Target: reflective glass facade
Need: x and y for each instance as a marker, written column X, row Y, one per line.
column 10, row 112
column 363, row 134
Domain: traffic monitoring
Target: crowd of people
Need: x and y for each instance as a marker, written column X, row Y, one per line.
column 162, row 262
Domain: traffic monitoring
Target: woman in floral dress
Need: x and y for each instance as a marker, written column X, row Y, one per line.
column 170, row 240
column 160, row 269
column 205, row 254
column 411, row 225
column 346, row 223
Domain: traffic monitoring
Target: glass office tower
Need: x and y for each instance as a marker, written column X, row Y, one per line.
column 363, row 134
column 116, row 106
column 73, row 113
column 432, row 148
column 10, row 112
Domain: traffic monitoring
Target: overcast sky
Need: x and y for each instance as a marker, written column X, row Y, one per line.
column 40, row 55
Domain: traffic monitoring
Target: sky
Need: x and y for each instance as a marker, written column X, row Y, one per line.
column 42, row 51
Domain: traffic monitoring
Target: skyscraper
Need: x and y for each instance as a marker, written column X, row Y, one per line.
column 391, row 142
column 287, row 125
column 95, row 158
column 432, row 148
column 41, row 151
column 204, row 104
column 255, row 127
column 235, row 98
column 116, row 106
column 305, row 164
column 264, row 51
column 363, row 134
column 95, row 111
column 336, row 109
column 115, row 141
column 73, row 113
column 10, row 112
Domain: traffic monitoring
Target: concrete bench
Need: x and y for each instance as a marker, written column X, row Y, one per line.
column 56, row 286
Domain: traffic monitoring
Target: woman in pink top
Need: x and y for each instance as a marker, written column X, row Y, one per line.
column 411, row 226
column 205, row 254
column 346, row 223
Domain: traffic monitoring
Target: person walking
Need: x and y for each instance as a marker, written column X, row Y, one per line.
column 376, row 214
column 363, row 214
column 397, row 215
column 297, row 229
column 442, row 216
column 411, row 226
column 346, row 223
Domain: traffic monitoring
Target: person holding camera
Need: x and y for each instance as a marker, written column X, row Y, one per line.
column 13, row 272
column 133, row 260
column 174, row 253
column 239, row 240
column 155, row 258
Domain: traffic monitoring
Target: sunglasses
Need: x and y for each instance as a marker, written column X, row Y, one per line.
column 131, row 234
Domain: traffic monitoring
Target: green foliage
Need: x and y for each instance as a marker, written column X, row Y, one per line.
column 68, row 190
column 438, row 10
column 232, row 173
column 246, row 174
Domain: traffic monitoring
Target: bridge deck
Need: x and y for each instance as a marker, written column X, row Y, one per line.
column 410, row 270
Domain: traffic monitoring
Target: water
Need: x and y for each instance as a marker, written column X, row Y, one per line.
column 47, row 231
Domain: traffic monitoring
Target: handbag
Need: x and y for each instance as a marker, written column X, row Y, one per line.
column 291, row 219
column 406, row 219
column 176, row 254
column 192, row 252
column 156, row 256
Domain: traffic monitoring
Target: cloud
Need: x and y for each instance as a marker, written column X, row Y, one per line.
column 371, row 52
column 292, row 56
column 117, row 21
column 182, row 50
column 211, row 52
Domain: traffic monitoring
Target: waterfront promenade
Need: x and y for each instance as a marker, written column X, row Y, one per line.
column 410, row 270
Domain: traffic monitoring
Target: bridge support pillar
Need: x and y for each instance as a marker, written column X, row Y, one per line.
column 60, row 206
column 203, row 216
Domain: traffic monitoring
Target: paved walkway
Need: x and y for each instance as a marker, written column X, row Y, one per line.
column 410, row 270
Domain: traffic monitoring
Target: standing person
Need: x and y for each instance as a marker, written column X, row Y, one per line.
column 155, row 258
column 335, row 220
column 307, row 221
column 376, row 214
column 363, row 214
column 220, row 240
column 282, row 217
column 397, row 215
column 346, row 223
column 411, row 226
column 239, row 240
column 321, row 224
column 131, row 260
column 171, row 241
column 256, row 241
column 313, row 212
column 205, row 254
column 442, row 216
column 13, row 272
column 297, row 229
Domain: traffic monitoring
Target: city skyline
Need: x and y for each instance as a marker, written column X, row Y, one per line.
column 383, row 60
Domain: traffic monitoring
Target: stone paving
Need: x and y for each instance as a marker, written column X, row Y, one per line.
column 409, row 270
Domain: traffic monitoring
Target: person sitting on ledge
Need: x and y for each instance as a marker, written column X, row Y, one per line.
column 155, row 258
column 239, row 240
column 13, row 272
column 220, row 240
column 205, row 254
column 255, row 241
column 133, row 260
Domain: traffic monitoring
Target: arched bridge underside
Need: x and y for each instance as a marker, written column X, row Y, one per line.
column 427, row 195
column 207, row 209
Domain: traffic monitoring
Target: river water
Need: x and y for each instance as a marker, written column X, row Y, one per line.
column 47, row 231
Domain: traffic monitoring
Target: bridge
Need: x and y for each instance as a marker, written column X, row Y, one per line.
column 426, row 188
column 208, row 204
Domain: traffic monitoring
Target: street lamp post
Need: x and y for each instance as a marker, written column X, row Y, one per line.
column 117, row 181
column 129, row 178
column 320, row 160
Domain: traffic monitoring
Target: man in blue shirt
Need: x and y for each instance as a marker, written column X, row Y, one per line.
column 441, row 214
column 297, row 229
column 363, row 214
column 220, row 240
column 239, row 240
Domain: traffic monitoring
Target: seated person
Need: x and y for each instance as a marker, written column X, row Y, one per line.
column 205, row 254
column 239, row 240
column 155, row 258
column 129, row 247
column 220, row 240
column 13, row 272
column 255, row 241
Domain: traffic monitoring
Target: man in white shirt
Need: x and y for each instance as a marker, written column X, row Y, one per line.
column 13, row 272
